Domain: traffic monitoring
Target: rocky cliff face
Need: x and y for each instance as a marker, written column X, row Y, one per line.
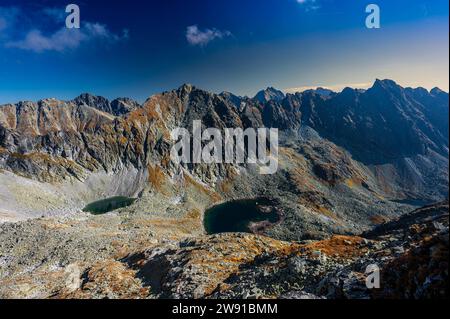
column 87, row 134
column 269, row 94
column 117, row 107
column 377, row 126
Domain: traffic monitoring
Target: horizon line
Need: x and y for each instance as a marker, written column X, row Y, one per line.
column 338, row 88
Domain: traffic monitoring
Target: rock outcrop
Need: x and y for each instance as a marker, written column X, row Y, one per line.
column 269, row 94
column 411, row 254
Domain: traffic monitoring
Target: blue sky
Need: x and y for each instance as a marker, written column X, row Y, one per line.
column 137, row 48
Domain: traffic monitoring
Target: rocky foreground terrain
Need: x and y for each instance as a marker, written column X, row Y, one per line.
column 411, row 252
column 350, row 165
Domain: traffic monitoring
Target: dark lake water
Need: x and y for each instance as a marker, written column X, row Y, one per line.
column 235, row 216
column 109, row 204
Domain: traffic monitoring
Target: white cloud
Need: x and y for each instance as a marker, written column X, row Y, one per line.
column 60, row 40
column 309, row 5
column 66, row 39
column 195, row 36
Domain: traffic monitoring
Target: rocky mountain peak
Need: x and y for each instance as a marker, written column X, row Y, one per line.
column 233, row 99
column 269, row 94
column 324, row 92
column 97, row 102
column 386, row 85
column 117, row 107
column 121, row 106
column 437, row 91
column 348, row 92
column 186, row 88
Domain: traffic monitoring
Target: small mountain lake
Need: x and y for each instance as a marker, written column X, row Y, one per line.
column 108, row 205
column 247, row 216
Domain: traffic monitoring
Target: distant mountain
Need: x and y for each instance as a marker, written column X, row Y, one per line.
column 383, row 123
column 97, row 102
column 269, row 94
column 233, row 99
column 321, row 91
column 123, row 106
column 117, row 107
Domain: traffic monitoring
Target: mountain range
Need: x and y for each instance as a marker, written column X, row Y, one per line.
column 348, row 161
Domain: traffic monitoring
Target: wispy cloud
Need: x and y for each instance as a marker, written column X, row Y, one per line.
column 309, row 5
column 8, row 16
column 334, row 87
column 62, row 39
column 195, row 36
column 65, row 39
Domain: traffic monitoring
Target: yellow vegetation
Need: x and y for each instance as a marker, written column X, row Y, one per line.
column 215, row 197
column 352, row 182
column 326, row 212
column 339, row 246
column 377, row 219
column 193, row 214
column 123, row 140
column 156, row 177
column 165, row 161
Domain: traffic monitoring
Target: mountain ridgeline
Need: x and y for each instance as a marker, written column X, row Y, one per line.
column 378, row 125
